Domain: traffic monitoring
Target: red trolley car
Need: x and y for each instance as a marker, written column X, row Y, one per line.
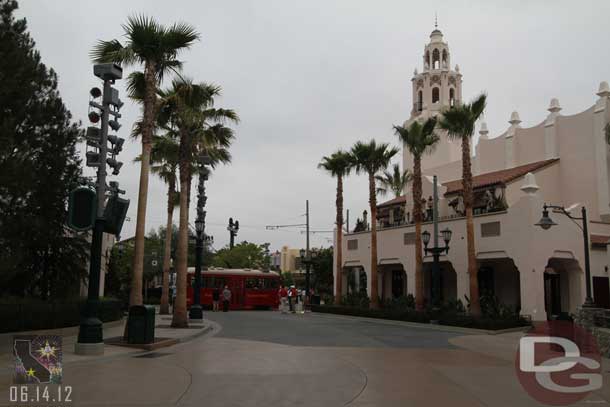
column 250, row 289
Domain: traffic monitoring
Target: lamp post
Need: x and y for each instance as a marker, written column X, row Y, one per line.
column 307, row 259
column 196, row 311
column 233, row 228
column 546, row 222
column 436, row 250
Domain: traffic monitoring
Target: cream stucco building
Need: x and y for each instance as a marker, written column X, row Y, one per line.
column 562, row 160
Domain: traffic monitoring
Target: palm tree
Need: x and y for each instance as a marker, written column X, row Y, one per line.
column 338, row 165
column 189, row 109
column 156, row 47
column 371, row 158
column 394, row 181
column 459, row 122
column 164, row 158
column 419, row 139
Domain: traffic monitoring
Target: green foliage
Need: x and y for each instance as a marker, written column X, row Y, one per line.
column 401, row 303
column 322, row 271
column 39, row 165
column 243, row 255
column 394, row 181
column 287, row 279
column 358, row 300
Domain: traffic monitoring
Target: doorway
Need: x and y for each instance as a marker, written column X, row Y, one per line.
column 552, row 294
column 601, row 292
column 398, row 284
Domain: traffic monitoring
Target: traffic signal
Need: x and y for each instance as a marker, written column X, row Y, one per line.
column 82, row 208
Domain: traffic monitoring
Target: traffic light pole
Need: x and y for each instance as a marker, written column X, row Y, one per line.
column 90, row 333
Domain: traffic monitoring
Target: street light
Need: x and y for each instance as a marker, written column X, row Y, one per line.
column 546, row 222
column 196, row 311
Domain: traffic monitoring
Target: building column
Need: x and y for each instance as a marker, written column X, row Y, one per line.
column 531, row 283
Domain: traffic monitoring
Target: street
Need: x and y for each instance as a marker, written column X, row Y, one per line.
column 268, row 358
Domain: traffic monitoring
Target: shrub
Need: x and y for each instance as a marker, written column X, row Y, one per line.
column 30, row 314
column 359, row 300
column 404, row 302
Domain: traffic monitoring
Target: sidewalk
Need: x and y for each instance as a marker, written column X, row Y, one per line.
column 111, row 329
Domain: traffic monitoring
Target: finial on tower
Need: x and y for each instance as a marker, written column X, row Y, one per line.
column 435, row 20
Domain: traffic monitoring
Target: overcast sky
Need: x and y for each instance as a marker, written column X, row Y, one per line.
column 309, row 77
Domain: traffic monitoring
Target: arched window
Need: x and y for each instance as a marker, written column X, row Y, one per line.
column 435, row 95
column 445, row 64
column 427, row 60
column 420, row 101
column 436, row 59
column 451, row 97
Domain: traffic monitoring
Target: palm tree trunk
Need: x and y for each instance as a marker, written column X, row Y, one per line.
column 475, row 307
column 339, row 265
column 419, row 261
column 373, row 204
column 135, row 296
column 180, row 319
column 171, row 194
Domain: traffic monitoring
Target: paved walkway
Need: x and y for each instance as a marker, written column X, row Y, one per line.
column 267, row 358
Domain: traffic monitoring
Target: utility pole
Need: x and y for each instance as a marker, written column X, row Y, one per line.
column 307, row 254
column 90, row 335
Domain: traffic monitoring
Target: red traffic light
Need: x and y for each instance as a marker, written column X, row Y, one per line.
column 94, row 117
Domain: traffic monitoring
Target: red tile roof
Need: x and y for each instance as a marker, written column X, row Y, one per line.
column 395, row 201
column 599, row 240
column 485, row 180
column 498, row 177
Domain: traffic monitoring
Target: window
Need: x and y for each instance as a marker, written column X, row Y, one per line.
column 420, row 101
column 490, row 229
column 409, row 238
column 435, row 95
column 451, row 97
column 436, row 59
column 352, row 244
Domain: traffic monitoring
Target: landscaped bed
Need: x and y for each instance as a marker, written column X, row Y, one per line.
column 411, row 315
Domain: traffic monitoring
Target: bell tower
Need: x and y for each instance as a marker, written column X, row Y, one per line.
column 437, row 86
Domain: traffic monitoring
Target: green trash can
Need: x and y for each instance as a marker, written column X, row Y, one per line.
column 141, row 324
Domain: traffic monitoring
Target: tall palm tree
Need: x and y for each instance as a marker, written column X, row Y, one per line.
column 188, row 108
column 459, row 122
column 156, row 47
column 419, row 139
column 164, row 157
column 338, row 165
column 371, row 158
column 394, row 181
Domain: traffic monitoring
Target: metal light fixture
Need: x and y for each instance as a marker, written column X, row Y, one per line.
column 94, row 116
column 545, row 222
column 95, row 92
column 302, row 252
column 425, row 237
column 446, row 233
column 199, row 225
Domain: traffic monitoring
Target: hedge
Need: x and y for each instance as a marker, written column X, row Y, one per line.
column 410, row 315
column 28, row 316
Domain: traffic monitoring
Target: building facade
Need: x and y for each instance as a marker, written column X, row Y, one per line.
column 563, row 160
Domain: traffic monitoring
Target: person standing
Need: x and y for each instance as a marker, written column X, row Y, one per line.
column 215, row 299
column 292, row 295
column 226, row 298
column 283, row 294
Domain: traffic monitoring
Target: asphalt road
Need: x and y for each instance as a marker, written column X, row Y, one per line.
column 323, row 330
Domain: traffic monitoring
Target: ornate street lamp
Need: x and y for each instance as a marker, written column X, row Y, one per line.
column 196, row 311
column 436, row 250
column 546, row 223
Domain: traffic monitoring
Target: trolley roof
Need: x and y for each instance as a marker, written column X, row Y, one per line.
column 239, row 272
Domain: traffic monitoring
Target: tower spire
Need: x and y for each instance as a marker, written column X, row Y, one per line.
column 435, row 20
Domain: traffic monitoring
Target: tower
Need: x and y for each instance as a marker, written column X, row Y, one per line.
column 436, row 88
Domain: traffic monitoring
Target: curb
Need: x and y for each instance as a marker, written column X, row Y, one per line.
column 443, row 328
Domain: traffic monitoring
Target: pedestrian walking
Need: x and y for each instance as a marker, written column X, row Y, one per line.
column 215, row 299
column 226, row 299
column 292, row 297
